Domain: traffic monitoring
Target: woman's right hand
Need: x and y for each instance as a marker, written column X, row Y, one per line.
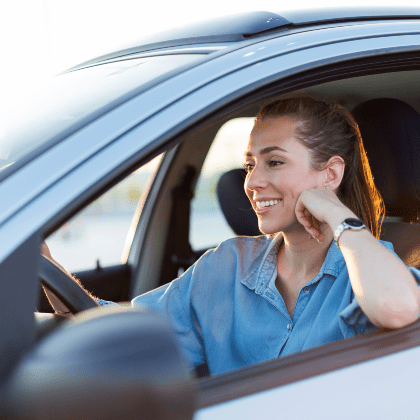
column 56, row 303
column 45, row 251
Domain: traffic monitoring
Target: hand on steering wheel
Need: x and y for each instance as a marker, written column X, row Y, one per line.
column 65, row 287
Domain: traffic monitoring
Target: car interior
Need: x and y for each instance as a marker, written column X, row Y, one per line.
column 386, row 106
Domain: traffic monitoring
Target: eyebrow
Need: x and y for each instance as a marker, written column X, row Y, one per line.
column 267, row 150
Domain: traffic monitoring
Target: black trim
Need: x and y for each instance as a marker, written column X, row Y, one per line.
column 387, row 63
column 108, row 283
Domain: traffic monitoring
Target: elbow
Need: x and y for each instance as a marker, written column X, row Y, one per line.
column 396, row 315
column 401, row 320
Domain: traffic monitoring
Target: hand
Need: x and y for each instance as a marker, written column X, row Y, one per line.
column 55, row 302
column 320, row 205
column 45, row 251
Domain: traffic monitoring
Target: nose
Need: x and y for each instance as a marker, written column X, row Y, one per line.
column 255, row 180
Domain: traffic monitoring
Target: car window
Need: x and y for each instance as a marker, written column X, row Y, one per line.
column 208, row 226
column 97, row 234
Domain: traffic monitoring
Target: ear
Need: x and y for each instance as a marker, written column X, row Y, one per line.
column 334, row 172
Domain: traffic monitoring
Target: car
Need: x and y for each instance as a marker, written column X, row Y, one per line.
column 166, row 99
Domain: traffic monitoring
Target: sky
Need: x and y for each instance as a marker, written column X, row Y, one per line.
column 40, row 38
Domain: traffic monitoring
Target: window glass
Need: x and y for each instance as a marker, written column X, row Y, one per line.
column 97, row 234
column 208, row 226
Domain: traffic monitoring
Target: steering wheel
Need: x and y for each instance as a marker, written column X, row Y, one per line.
column 64, row 287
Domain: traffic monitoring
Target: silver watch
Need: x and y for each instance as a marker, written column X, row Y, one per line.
column 349, row 223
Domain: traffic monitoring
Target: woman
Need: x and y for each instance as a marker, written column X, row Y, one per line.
column 310, row 279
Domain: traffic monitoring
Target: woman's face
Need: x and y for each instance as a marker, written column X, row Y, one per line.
column 279, row 170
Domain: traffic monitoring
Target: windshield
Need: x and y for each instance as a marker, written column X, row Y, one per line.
column 71, row 100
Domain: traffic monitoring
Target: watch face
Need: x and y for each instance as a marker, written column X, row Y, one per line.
column 351, row 221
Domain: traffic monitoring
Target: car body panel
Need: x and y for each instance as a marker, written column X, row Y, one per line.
column 349, row 393
column 250, row 24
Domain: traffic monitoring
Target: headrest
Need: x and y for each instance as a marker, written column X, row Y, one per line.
column 235, row 204
column 390, row 131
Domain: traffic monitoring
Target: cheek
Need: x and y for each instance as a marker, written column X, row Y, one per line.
column 289, row 185
column 295, row 183
column 247, row 191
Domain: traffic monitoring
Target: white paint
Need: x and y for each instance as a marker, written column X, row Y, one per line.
column 385, row 388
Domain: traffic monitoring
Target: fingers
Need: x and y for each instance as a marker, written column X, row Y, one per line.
column 315, row 229
column 319, row 236
column 45, row 250
column 313, row 207
column 311, row 224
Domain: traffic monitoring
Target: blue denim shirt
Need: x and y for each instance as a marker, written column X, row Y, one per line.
column 227, row 311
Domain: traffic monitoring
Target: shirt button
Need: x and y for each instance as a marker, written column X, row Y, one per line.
column 306, row 289
column 289, row 326
column 270, row 296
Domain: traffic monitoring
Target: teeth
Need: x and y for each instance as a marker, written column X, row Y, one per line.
column 262, row 204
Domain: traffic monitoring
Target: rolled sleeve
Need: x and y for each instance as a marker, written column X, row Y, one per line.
column 416, row 273
column 353, row 321
column 106, row 303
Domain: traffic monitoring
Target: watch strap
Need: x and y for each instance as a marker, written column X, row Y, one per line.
column 344, row 225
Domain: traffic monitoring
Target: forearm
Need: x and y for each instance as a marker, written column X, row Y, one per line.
column 56, row 303
column 384, row 288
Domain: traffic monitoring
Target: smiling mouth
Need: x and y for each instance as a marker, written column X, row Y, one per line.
column 263, row 204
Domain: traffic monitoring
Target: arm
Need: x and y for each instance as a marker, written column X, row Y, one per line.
column 384, row 288
column 56, row 303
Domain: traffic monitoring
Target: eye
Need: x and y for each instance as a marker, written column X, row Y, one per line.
column 248, row 167
column 273, row 163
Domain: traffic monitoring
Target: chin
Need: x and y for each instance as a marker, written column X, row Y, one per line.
column 268, row 230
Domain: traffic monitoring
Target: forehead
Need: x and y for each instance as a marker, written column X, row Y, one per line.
column 274, row 131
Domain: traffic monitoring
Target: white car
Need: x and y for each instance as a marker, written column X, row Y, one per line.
column 167, row 98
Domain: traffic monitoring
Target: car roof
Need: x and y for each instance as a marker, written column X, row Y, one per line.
column 239, row 27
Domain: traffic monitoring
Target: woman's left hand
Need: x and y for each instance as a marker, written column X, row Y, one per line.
column 320, row 205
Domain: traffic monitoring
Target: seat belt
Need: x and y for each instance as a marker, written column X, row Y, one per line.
column 182, row 255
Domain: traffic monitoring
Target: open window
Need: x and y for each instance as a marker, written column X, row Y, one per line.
column 91, row 245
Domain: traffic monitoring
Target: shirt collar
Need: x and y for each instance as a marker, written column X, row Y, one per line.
column 256, row 278
column 259, row 278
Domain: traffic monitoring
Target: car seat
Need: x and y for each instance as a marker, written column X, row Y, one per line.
column 391, row 135
column 235, row 205
column 390, row 131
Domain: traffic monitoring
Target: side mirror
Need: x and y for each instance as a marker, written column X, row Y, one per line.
column 105, row 363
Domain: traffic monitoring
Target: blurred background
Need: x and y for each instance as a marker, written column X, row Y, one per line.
column 40, row 38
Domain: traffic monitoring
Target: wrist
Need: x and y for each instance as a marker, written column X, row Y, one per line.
column 338, row 215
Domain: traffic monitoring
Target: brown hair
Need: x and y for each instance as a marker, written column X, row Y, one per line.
column 327, row 130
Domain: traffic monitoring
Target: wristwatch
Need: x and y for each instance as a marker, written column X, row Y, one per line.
column 350, row 223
